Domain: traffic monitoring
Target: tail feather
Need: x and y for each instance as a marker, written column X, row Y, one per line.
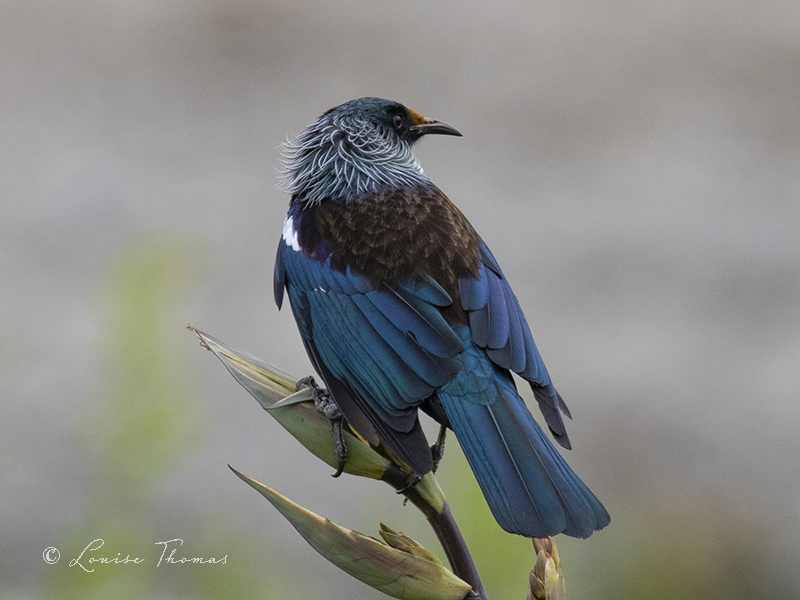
column 529, row 487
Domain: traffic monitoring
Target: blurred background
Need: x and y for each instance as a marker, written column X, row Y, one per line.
column 634, row 166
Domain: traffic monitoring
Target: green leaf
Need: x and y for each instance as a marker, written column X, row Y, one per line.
column 399, row 540
column 295, row 411
column 266, row 383
column 431, row 492
column 408, row 571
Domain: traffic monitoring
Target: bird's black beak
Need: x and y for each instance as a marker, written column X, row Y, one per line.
column 433, row 126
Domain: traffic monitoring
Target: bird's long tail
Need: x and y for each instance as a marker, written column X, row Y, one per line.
column 529, row 487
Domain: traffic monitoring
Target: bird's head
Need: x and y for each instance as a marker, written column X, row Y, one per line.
column 359, row 147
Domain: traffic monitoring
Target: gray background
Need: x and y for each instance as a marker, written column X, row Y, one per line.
column 633, row 165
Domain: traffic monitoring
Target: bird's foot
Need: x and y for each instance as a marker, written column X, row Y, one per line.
column 325, row 404
column 437, row 450
column 322, row 399
column 412, row 480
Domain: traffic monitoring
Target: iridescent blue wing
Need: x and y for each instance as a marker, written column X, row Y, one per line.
column 388, row 348
column 499, row 326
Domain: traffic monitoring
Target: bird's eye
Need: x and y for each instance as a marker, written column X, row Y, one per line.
column 397, row 121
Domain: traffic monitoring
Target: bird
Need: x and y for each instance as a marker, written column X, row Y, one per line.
column 402, row 307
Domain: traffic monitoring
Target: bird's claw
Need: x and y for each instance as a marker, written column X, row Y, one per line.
column 412, row 480
column 325, row 404
column 437, row 450
column 437, row 453
column 340, row 447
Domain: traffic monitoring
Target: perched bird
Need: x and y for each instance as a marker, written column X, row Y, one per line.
column 401, row 306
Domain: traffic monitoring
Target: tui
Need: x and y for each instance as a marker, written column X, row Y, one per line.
column 401, row 305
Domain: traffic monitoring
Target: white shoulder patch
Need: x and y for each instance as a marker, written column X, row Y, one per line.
column 290, row 235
